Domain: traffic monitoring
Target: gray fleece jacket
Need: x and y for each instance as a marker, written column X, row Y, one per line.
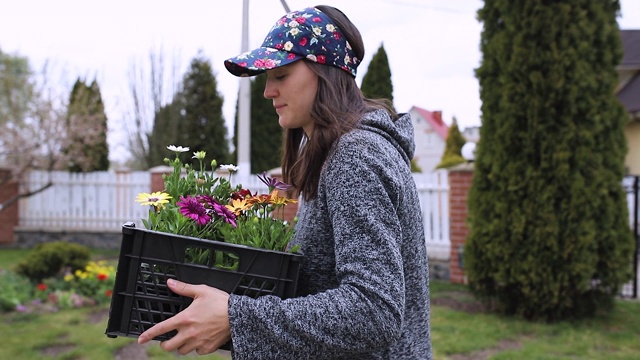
column 363, row 291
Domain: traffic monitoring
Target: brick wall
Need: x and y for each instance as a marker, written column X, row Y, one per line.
column 157, row 183
column 8, row 216
column 460, row 178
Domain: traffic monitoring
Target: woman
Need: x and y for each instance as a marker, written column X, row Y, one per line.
column 364, row 287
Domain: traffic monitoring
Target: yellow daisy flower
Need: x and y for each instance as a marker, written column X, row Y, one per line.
column 156, row 199
column 280, row 200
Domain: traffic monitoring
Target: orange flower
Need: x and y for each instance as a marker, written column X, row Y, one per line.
column 261, row 200
column 238, row 206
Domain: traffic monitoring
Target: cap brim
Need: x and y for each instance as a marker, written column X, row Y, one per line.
column 258, row 61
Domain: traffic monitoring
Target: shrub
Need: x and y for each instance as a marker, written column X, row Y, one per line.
column 450, row 161
column 549, row 228
column 15, row 290
column 95, row 281
column 50, row 259
column 453, row 151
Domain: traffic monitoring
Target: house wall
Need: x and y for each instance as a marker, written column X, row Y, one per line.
column 429, row 145
column 472, row 134
column 632, row 161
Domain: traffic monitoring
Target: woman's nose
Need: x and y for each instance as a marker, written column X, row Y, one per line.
column 269, row 90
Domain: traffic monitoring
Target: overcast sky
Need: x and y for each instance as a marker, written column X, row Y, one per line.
column 432, row 45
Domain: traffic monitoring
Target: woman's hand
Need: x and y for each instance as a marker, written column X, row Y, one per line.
column 203, row 326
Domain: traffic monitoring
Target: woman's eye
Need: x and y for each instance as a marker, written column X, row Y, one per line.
column 280, row 77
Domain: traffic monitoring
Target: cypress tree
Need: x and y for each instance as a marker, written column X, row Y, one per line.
column 266, row 133
column 376, row 83
column 87, row 149
column 549, row 234
column 202, row 126
column 166, row 129
column 452, row 152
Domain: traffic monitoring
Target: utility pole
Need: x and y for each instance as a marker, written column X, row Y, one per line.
column 244, row 107
column 286, row 7
column 244, row 103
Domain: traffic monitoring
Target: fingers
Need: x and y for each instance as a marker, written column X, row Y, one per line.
column 179, row 288
column 156, row 330
column 182, row 288
column 202, row 327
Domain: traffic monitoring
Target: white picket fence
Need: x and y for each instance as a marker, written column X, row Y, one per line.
column 103, row 201
column 98, row 201
column 433, row 189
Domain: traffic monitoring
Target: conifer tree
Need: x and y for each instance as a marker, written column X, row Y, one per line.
column 549, row 234
column 86, row 149
column 376, row 83
column 452, row 151
column 266, row 133
column 165, row 132
column 202, row 126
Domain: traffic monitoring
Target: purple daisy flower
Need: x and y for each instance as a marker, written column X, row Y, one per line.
column 207, row 200
column 226, row 214
column 273, row 183
column 191, row 208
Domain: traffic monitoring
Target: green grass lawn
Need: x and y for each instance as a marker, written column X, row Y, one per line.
column 489, row 336
column 460, row 330
column 66, row 334
column 9, row 257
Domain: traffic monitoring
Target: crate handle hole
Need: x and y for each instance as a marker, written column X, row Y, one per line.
column 211, row 258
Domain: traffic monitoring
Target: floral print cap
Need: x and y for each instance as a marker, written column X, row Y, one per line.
column 303, row 34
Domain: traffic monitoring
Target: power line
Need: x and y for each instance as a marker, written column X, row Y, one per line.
column 427, row 6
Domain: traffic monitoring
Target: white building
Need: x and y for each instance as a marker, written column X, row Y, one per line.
column 430, row 137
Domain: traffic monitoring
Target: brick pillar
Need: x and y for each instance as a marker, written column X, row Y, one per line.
column 9, row 216
column 157, row 183
column 460, row 178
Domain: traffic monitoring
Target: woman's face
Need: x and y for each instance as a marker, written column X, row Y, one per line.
column 293, row 90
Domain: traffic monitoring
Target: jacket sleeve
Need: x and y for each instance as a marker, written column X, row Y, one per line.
column 364, row 313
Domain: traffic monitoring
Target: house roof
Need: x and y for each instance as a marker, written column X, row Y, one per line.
column 434, row 118
column 631, row 48
column 629, row 95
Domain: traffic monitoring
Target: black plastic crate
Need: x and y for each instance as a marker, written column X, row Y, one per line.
column 148, row 258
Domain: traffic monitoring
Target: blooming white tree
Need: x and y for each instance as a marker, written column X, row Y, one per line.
column 32, row 122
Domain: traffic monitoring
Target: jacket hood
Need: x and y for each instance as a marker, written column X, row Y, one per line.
column 399, row 133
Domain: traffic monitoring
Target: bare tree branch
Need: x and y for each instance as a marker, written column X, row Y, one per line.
column 148, row 95
column 19, row 196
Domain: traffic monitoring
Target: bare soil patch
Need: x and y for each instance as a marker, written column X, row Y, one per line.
column 99, row 315
column 487, row 353
column 55, row 350
column 459, row 301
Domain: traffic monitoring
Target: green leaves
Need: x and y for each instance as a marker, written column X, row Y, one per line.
column 261, row 232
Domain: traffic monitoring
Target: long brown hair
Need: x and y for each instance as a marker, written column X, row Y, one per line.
column 338, row 107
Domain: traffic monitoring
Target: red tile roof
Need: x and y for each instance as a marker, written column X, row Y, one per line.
column 434, row 118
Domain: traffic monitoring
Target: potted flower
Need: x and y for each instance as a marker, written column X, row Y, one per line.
column 201, row 229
